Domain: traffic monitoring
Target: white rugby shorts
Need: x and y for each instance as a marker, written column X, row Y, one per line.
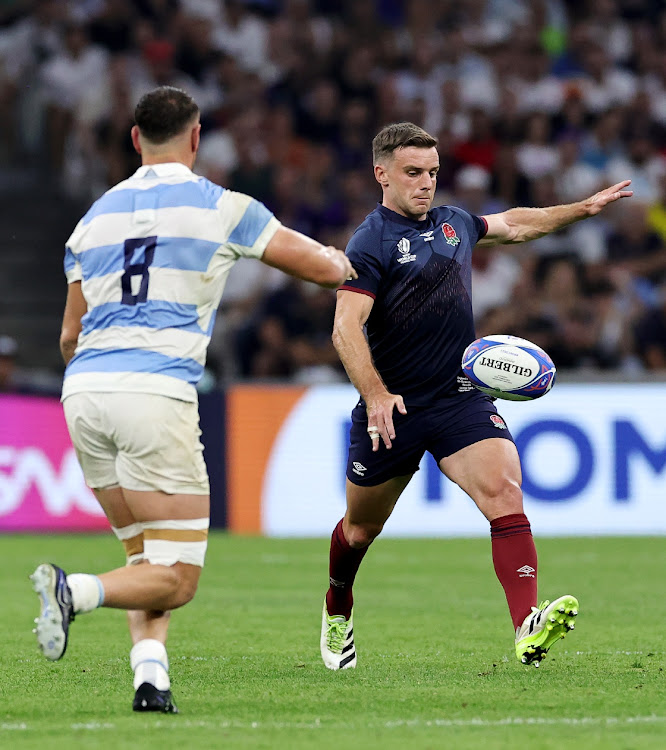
column 138, row 441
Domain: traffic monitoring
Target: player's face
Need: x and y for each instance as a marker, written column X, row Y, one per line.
column 408, row 180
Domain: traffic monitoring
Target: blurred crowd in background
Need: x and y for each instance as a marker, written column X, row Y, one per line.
column 534, row 103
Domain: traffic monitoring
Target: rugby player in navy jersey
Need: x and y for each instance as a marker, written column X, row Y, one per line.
column 413, row 298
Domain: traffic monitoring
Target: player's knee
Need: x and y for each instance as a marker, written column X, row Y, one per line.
column 504, row 496
column 184, row 594
column 185, row 590
column 169, row 581
column 360, row 535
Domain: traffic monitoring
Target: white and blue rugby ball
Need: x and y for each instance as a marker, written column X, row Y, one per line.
column 508, row 367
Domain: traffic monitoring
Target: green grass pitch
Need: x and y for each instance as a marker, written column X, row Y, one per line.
column 436, row 662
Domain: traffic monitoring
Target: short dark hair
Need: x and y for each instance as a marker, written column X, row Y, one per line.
column 399, row 135
column 164, row 113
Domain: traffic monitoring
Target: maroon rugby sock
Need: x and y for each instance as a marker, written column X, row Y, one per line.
column 515, row 560
column 344, row 562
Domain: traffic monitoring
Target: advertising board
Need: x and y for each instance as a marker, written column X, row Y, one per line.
column 41, row 484
column 593, row 456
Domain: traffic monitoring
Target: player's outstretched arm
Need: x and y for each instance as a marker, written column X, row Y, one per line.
column 303, row 257
column 75, row 309
column 523, row 224
column 351, row 313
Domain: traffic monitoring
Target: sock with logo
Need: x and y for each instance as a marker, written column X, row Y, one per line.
column 515, row 561
column 87, row 592
column 344, row 562
column 150, row 663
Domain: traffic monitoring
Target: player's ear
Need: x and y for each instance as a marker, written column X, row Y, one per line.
column 195, row 137
column 381, row 175
column 135, row 139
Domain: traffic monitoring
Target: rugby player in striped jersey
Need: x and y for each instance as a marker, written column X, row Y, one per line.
column 146, row 268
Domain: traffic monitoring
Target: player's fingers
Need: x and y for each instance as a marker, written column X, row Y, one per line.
column 351, row 273
column 385, row 426
column 617, row 195
column 619, row 186
column 401, row 405
column 389, row 429
column 374, row 434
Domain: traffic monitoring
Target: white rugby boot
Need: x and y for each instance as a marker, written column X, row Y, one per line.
column 337, row 641
column 56, row 610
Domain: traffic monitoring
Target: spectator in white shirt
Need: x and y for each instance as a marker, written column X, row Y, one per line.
column 66, row 80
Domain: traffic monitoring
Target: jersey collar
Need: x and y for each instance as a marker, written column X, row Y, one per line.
column 165, row 169
column 400, row 219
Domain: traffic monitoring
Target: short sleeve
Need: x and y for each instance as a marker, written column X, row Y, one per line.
column 363, row 252
column 248, row 226
column 476, row 226
column 72, row 266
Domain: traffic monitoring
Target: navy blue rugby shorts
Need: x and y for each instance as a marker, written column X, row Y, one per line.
column 442, row 429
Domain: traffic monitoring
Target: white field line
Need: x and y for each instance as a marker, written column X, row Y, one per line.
column 608, row 721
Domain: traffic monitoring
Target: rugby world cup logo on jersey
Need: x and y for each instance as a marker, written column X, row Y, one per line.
column 404, row 246
column 450, row 234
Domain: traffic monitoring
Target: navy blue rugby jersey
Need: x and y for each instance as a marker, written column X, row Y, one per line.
column 419, row 275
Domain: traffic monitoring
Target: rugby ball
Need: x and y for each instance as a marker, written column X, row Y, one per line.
column 508, row 367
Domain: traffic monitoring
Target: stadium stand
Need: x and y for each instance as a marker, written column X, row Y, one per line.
column 531, row 103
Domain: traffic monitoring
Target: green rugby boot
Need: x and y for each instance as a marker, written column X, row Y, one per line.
column 545, row 625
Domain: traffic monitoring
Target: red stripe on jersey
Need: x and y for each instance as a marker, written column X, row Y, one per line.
column 483, row 219
column 344, row 288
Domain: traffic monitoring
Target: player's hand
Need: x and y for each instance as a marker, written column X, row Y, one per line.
column 347, row 272
column 380, row 418
column 600, row 200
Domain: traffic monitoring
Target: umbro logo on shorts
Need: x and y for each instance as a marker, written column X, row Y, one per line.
column 359, row 468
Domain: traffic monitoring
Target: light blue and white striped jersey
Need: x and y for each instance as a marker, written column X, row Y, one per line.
column 153, row 255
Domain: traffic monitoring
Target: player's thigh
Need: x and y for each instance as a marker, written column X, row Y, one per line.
column 123, row 523
column 174, row 528
column 160, row 529
column 163, row 476
column 370, row 507
column 115, row 507
column 489, row 472
column 94, row 446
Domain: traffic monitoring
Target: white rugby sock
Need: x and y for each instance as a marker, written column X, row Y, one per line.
column 87, row 592
column 150, row 663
